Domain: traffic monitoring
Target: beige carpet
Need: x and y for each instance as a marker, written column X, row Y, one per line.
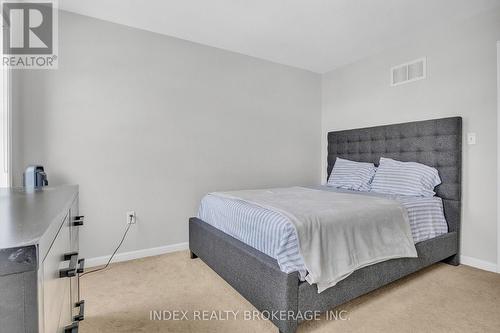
column 441, row 298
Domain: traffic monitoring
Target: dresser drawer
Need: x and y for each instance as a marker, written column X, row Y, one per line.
column 65, row 317
column 56, row 289
column 76, row 222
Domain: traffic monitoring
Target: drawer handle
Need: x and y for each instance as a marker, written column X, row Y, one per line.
column 71, row 270
column 78, row 220
column 80, row 316
column 73, row 328
column 67, row 256
column 81, row 266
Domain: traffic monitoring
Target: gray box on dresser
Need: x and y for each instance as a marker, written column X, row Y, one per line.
column 39, row 261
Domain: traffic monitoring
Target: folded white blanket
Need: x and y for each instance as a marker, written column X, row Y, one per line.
column 338, row 233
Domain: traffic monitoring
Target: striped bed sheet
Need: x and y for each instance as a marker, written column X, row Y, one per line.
column 273, row 234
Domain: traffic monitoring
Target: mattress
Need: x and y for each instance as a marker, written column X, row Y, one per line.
column 274, row 234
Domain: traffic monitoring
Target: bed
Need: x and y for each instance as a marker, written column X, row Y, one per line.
column 258, row 277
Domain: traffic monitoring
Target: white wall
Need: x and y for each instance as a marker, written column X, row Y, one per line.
column 462, row 81
column 151, row 123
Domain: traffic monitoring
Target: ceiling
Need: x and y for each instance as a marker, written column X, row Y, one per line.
column 317, row 35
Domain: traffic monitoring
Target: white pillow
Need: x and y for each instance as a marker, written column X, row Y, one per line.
column 405, row 178
column 351, row 175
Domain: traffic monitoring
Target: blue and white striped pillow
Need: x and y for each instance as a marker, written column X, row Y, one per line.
column 405, row 178
column 351, row 175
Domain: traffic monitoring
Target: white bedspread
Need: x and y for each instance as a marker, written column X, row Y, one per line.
column 338, row 233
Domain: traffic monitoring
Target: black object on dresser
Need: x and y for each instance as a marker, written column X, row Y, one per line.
column 39, row 261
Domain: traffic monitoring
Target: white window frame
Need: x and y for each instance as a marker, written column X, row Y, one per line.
column 5, row 130
column 498, row 156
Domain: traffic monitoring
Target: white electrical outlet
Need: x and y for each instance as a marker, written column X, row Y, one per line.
column 471, row 138
column 131, row 217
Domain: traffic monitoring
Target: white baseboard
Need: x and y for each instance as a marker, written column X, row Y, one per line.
column 478, row 263
column 154, row 251
column 124, row 256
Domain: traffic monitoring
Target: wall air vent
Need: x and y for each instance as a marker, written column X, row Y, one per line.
column 411, row 71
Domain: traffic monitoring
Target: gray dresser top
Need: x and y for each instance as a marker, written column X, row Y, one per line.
column 25, row 216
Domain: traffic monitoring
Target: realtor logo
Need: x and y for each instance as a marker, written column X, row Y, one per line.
column 29, row 34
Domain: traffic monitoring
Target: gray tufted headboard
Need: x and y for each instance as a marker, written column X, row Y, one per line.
column 437, row 143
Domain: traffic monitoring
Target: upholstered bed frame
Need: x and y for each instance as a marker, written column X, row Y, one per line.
column 257, row 277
